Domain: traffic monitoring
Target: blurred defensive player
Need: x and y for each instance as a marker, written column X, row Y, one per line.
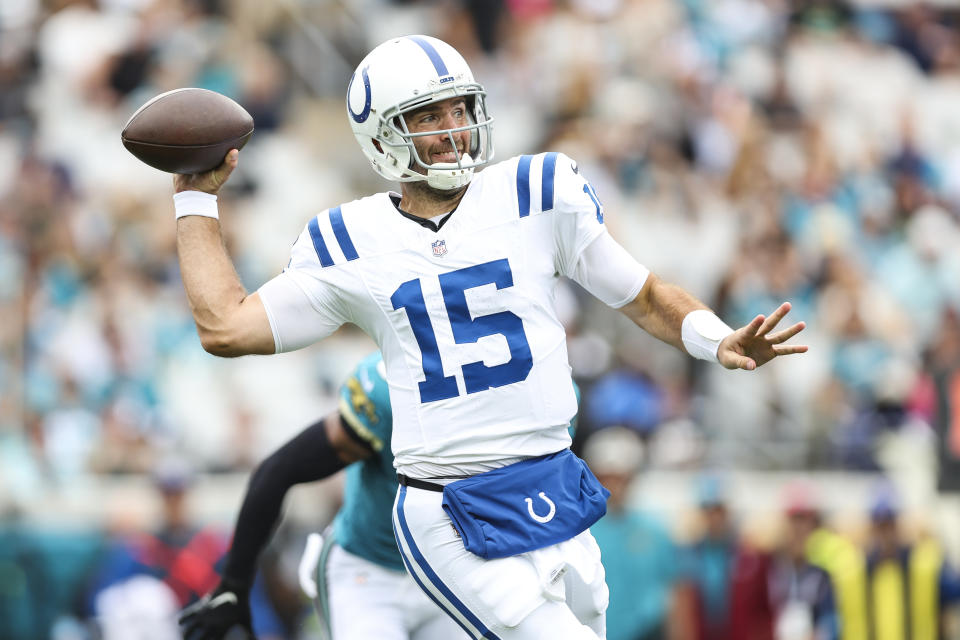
column 454, row 277
column 364, row 592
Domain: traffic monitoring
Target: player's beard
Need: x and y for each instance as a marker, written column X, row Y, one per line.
column 422, row 189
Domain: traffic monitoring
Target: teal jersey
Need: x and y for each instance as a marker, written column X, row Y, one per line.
column 364, row 524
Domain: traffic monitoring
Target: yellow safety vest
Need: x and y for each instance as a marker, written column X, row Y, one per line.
column 889, row 589
column 844, row 562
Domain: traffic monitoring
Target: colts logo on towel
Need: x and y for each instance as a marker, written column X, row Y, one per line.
column 439, row 248
column 533, row 514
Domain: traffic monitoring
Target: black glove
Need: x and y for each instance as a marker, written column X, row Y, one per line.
column 221, row 615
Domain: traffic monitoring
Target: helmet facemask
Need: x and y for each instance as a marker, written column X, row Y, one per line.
column 395, row 134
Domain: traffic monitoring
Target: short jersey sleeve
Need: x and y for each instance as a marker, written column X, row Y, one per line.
column 303, row 303
column 586, row 253
column 365, row 403
column 578, row 214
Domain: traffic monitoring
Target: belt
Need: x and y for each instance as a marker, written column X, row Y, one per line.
column 419, row 484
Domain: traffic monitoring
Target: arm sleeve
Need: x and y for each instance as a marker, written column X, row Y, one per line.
column 607, row 271
column 307, row 457
column 303, row 303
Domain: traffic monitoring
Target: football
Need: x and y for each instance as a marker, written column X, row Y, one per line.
column 187, row 130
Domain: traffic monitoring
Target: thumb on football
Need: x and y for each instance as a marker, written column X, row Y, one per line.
column 230, row 162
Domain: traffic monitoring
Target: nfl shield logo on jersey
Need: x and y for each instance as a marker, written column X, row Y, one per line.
column 439, row 248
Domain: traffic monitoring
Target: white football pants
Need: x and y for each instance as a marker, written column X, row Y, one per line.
column 554, row 593
column 365, row 601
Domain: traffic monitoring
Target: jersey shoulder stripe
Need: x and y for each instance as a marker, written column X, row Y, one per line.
column 523, row 185
column 549, row 175
column 324, row 227
column 342, row 235
column 318, row 243
column 533, row 168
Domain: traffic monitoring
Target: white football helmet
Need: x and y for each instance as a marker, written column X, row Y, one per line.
column 404, row 74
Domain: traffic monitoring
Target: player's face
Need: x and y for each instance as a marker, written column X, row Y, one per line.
column 446, row 114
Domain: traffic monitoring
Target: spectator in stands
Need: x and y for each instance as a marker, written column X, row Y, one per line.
column 144, row 578
column 639, row 555
column 831, row 552
column 800, row 591
column 910, row 585
column 751, row 609
column 704, row 589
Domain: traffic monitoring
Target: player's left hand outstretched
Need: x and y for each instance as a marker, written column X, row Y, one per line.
column 753, row 345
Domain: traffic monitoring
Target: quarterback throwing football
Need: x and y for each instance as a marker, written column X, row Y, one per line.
column 453, row 277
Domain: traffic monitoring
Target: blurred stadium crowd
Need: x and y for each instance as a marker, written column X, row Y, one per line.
column 753, row 151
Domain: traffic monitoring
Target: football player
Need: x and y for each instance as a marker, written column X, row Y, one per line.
column 453, row 277
column 357, row 580
column 363, row 589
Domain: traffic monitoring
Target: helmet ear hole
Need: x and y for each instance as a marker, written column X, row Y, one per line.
column 376, row 143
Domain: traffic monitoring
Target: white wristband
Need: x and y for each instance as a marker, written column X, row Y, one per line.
column 195, row 203
column 702, row 332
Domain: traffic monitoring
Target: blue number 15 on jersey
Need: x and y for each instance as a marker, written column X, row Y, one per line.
column 476, row 375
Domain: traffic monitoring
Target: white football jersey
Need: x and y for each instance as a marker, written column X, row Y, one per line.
column 476, row 358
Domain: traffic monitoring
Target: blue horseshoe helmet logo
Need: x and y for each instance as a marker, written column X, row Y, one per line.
column 363, row 115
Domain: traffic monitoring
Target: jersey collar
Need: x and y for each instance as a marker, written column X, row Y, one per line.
column 427, row 223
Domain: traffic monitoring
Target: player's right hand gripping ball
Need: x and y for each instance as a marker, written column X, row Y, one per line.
column 187, row 130
column 221, row 615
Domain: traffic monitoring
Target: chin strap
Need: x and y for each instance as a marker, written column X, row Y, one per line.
column 449, row 175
